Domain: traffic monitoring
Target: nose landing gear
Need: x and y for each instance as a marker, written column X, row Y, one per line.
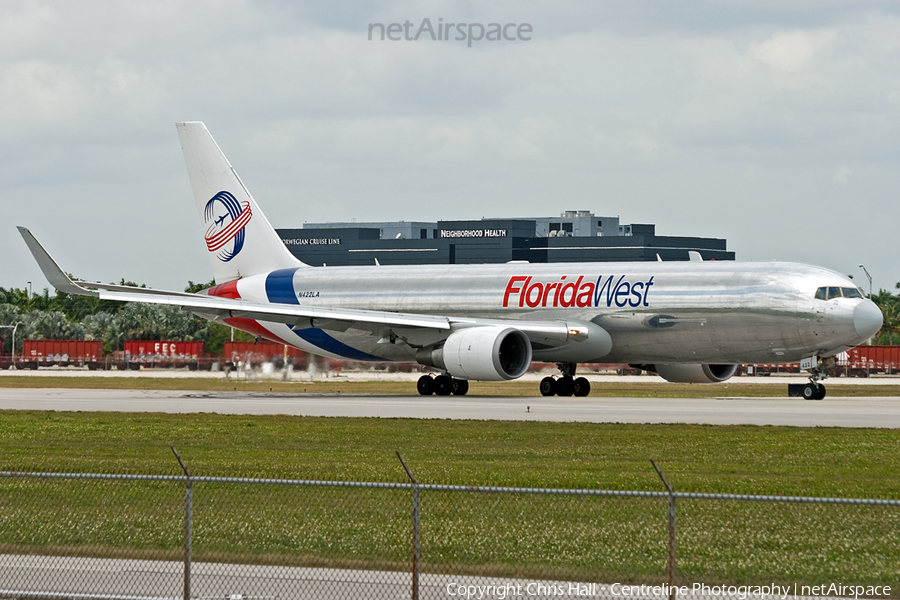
column 566, row 385
column 812, row 390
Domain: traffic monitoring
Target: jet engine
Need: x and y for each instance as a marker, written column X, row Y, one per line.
column 486, row 353
column 692, row 373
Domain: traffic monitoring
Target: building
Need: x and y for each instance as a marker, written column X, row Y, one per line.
column 574, row 236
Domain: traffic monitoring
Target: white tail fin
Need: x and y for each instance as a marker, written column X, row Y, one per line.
column 239, row 239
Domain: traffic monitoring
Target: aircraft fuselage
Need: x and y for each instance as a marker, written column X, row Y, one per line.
column 695, row 312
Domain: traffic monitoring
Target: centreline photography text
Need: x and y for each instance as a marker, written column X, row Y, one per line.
column 619, row 590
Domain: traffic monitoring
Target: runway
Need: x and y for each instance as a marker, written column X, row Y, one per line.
column 132, row 579
column 862, row 411
column 125, row 579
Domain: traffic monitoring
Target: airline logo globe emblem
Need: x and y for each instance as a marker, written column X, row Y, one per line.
column 227, row 219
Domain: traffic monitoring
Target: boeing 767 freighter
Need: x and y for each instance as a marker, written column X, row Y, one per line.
column 687, row 321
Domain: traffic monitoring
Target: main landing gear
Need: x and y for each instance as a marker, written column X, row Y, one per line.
column 567, row 384
column 442, row 385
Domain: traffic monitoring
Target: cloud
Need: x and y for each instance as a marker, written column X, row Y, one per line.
column 842, row 175
column 41, row 92
column 23, row 22
column 791, row 51
column 645, row 143
column 680, row 114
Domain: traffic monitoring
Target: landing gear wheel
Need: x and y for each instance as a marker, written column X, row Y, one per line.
column 565, row 386
column 425, row 385
column 582, row 387
column 819, row 369
column 460, row 387
column 548, row 386
column 810, row 392
column 443, row 385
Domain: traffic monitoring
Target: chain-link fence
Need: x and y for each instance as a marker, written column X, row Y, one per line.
column 132, row 536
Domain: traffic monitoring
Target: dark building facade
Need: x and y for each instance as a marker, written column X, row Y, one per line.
column 576, row 236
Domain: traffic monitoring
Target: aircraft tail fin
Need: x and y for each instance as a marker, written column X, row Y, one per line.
column 239, row 239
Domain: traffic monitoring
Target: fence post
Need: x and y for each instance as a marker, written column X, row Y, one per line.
column 671, row 566
column 415, row 524
column 188, row 523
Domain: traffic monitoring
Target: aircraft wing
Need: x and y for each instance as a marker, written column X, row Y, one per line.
column 340, row 319
column 213, row 307
column 303, row 316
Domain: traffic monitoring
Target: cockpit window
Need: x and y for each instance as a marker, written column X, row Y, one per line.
column 829, row 293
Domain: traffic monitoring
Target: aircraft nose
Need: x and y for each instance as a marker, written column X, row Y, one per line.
column 867, row 319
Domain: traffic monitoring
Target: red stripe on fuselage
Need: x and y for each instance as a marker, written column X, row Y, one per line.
column 225, row 290
column 229, row 290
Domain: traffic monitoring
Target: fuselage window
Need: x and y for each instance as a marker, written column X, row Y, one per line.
column 820, row 294
column 851, row 293
column 834, row 292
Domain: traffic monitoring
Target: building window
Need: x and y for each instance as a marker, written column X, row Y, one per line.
column 567, row 227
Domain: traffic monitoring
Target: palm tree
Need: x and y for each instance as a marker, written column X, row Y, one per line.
column 890, row 311
column 891, row 314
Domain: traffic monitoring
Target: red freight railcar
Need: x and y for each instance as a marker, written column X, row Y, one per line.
column 62, row 352
column 163, row 353
column 766, row 369
column 256, row 353
column 865, row 360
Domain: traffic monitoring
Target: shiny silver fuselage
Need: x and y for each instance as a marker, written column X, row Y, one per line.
column 661, row 312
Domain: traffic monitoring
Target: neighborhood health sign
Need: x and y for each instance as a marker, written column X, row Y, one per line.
column 472, row 233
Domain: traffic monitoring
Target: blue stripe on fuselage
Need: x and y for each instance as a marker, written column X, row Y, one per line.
column 280, row 287
column 280, row 290
column 329, row 344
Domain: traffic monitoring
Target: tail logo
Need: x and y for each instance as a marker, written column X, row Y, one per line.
column 228, row 219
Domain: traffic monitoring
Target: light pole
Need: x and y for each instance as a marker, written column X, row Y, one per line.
column 866, row 271
column 13, row 349
column 29, row 289
column 870, row 278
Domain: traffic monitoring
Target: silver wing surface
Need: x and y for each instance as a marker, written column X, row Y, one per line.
column 432, row 327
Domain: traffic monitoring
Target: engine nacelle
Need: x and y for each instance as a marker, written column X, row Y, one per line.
column 486, row 353
column 693, row 373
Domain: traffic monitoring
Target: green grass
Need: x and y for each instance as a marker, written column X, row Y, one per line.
column 739, row 458
column 600, row 539
column 736, row 388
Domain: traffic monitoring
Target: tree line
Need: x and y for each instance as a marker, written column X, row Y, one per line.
column 69, row 317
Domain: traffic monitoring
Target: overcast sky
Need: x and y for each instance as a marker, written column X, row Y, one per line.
column 772, row 124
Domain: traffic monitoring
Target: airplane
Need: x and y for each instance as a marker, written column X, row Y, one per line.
column 693, row 321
